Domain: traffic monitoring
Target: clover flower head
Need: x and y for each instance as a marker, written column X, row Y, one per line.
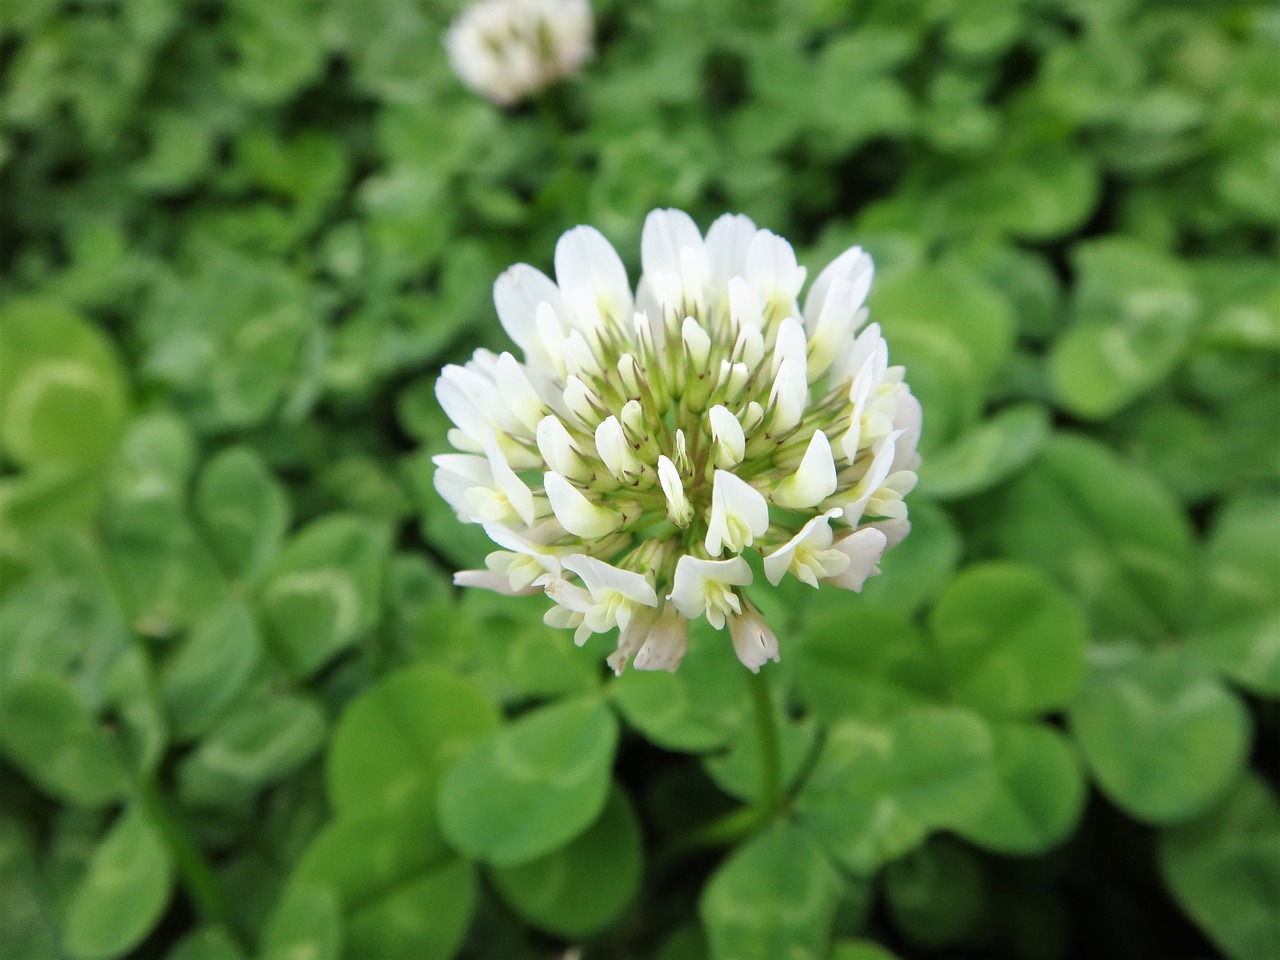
column 508, row 49
column 648, row 443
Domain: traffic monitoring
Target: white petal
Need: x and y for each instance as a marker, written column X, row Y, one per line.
column 679, row 510
column 568, row 595
column 516, row 295
column 689, row 586
column 557, row 447
column 814, row 535
column 600, row 577
column 665, row 233
column 612, row 446
column 739, row 514
column 490, row 580
column 696, row 342
column 854, row 267
column 727, row 435
column 907, row 418
column 585, row 260
column 518, row 392
column 513, row 488
column 727, row 243
column 582, row 402
column 832, row 329
column 579, row 358
column 456, row 473
column 877, row 472
column 576, row 513
column 813, row 481
column 773, row 271
column 790, row 394
column 863, row 548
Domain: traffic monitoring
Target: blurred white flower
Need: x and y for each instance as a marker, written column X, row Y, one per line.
column 648, row 443
column 508, row 49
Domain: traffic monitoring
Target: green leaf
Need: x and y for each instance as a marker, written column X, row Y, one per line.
column 403, row 893
column 986, row 455
column 1236, row 627
column 306, row 923
column 953, row 332
column 262, row 742
column 860, row 950
column 26, row 927
column 1224, row 871
column 914, row 571
column 1106, row 531
column 62, row 390
column 1040, row 793
column 243, row 510
column 211, row 669
column 737, row 771
column 527, row 789
column 394, row 743
column 774, row 897
column 166, row 575
column 324, row 591
column 1163, row 737
column 699, row 707
column 49, row 734
column 865, row 663
column 1134, row 314
column 156, row 458
column 123, row 892
column 133, row 701
column 582, row 888
column 206, row 943
column 1011, row 643
column 936, row 895
column 877, row 791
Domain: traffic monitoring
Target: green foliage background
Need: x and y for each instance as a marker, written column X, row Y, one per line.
column 243, row 713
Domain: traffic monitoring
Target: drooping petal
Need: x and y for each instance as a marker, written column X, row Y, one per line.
column 863, row 548
column 665, row 642
column 753, row 641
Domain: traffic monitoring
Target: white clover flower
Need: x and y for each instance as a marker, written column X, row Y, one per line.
column 647, row 444
column 508, row 49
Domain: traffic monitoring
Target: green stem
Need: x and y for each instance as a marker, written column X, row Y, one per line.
column 767, row 735
column 197, row 876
